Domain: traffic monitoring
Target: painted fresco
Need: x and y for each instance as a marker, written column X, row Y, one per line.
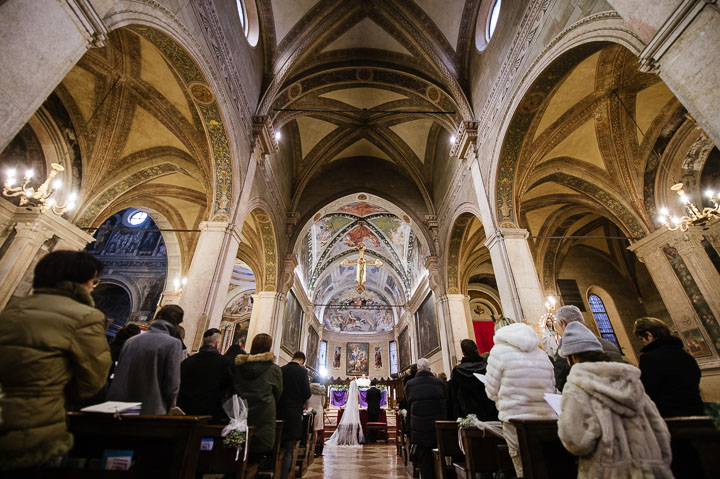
column 327, row 227
column 351, row 313
column 395, row 231
column 427, row 333
column 696, row 344
column 322, row 289
column 357, row 359
column 291, row 325
column 404, row 349
column 337, row 357
column 378, row 357
column 240, row 306
column 361, row 208
column 312, row 349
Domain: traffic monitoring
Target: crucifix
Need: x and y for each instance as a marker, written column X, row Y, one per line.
column 362, row 264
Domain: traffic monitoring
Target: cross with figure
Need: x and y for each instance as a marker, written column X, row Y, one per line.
column 361, row 270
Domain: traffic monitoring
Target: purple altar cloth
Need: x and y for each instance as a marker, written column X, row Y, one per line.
column 339, row 398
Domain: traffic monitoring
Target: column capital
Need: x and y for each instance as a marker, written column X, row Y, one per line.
column 264, row 142
column 92, row 25
column 465, row 146
column 213, row 226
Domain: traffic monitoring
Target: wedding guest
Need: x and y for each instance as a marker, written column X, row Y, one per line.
column 426, row 396
column 52, row 349
column 607, row 418
column 567, row 315
column 466, row 392
column 317, row 402
column 295, row 393
column 149, row 367
column 519, row 373
column 206, row 380
column 671, row 376
column 259, row 381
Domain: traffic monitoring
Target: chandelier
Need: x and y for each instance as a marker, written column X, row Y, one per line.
column 42, row 196
column 694, row 215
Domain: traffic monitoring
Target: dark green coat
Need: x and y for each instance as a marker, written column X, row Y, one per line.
column 259, row 381
column 52, row 346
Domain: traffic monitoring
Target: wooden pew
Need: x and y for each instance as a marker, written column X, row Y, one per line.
column 485, row 453
column 306, row 446
column 274, row 467
column 695, row 446
column 221, row 460
column 448, row 449
column 399, row 446
column 543, row 455
column 163, row 446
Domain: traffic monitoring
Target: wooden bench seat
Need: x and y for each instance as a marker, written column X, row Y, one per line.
column 543, row 455
column 485, row 453
column 221, row 460
column 695, row 445
column 448, row 449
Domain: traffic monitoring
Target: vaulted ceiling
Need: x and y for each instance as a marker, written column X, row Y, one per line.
column 365, row 79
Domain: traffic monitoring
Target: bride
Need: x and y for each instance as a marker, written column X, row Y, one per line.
column 349, row 431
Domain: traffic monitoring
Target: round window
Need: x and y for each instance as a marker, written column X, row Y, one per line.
column 487, row 20
column 137, row 218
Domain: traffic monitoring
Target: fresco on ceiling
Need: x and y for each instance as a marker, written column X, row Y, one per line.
column 322, row 289
column 351, row 313
column 361, row 208
column 392, row 287
column 327, row 227
column 394, row 230
column 416, row 259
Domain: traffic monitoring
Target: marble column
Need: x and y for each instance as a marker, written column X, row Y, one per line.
column 516, row 275
column 208, row 279
column 682, row 38
column 42, row 41
column 32, row 229
column 458, row 311
column 267, row 314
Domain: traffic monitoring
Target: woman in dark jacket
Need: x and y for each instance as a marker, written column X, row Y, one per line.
column 259, row 381
column 670, row 375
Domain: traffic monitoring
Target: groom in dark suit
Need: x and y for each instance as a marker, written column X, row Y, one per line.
column 372, row 397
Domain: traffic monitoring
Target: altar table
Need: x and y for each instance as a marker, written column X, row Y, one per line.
column 339, row 398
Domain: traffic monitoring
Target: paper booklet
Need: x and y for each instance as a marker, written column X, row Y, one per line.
column 555, row 402
column 112, row 407
column 481, row 377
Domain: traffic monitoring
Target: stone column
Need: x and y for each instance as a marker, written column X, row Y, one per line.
column 689, row 245
column 267, row 316
column 458, row 309
column 682, row 38
column 42, row 41
column 208, row 279
column 516, row 276
column 32, row 229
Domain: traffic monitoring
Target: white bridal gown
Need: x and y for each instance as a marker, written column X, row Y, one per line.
column 349, row 430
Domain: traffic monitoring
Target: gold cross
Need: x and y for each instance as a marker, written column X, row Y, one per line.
column 361, row 270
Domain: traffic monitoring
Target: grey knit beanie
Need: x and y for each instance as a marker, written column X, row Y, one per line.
column 577, row 338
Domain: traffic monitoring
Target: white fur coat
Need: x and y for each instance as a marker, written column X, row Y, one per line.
column 609, row 421
column 519, row 373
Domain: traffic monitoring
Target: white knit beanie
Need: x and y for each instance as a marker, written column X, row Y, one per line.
column 577, row 338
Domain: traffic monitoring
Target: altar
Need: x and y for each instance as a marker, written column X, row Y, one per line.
column 338, row 396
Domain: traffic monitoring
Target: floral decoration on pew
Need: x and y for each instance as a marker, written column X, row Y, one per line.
column 345, row 387
column 235, row 433
column 309, row 411
column 466, row 422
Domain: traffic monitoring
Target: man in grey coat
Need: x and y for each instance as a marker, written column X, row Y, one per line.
column 563, row 317
column 148, row 370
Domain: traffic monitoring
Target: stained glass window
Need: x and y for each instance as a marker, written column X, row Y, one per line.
column 602, row 319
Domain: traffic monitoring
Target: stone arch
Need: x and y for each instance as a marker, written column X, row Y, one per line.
column 566, row 50
column 161, row 27
column 465, row 250
column 259, row 249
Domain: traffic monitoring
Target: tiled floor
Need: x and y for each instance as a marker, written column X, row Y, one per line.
column 376, row 461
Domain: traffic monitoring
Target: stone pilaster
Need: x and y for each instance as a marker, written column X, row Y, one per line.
column 267, row 316
column 681, row 38
column 208, row 279
column 43, row 40
column 458, row 309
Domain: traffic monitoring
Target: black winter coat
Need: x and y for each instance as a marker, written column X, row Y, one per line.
column 426, row 396
column 372, row 398
column 233, row 351
column 205, row 382
column 258, row 380
column 296, row 392
column 671, row 378
column 467, row 393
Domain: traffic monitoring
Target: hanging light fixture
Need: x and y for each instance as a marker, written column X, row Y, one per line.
column 694, row 215
column 43, row 196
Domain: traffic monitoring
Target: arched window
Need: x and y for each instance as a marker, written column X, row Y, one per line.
column 602, row 319
column 241, row 15
column 487, row 20
column 492, row 20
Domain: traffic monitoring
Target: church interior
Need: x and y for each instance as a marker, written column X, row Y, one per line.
column 370, row 181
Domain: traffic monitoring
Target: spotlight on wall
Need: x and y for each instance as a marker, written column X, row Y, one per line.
column 323, row 372
column 179, row 284
column 452, row 140
column 277, row 136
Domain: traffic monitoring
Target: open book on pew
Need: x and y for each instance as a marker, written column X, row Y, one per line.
column 115, row 407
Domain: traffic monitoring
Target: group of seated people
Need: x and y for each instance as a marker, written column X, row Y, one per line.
column 55, row 358
column 611, row 413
